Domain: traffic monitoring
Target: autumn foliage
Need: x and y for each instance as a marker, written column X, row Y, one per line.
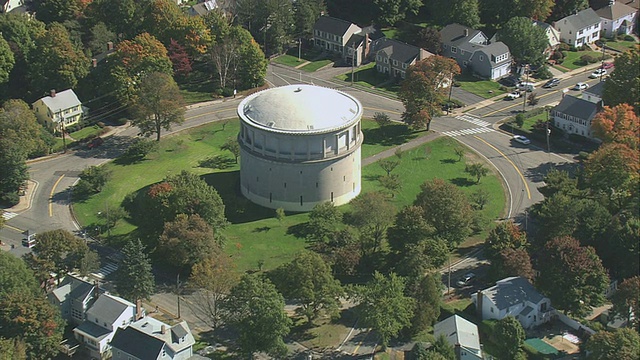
column 618, row 124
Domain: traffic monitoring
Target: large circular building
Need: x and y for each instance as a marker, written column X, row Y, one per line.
column 300, row 146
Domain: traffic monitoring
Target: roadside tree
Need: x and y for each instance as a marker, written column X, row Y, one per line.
column 372, row 214
column 623, row 85
column 506, row 235
column 134, row 279
column 621, row 344
column 427, row 293
column 158, row 105
column 476, row 170
column 213, row 278
column 14, row 172
column 57, row 251
column 526, row 41
column 512, row 262
column 618, row 124
column 19, row 125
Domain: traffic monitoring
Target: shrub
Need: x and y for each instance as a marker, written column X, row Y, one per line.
column 9, row 199
column 573, row 48
column 564, row 53
column 629, row 38
column 564, row 46
column 587, row 59
column 100, row 124
column 544, row 73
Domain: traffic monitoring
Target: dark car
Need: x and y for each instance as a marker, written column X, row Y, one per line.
column 551, row 83
column 509, row 81
column 466, row 280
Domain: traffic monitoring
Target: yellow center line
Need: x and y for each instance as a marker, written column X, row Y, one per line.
column 518, row 104
column 13, row 228
column 526, row 186
column 355, row 352
column 53, row 189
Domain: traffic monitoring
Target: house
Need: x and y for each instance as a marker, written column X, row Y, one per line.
column 617, row 18
column 8, row 5
column 553, row 37
column 342, row 37
column 594, row 93
column 63, row 108
column 574, row 115
column 473, row 51
column 462, row 335
column 513, row 296
column 73, row 297
column 393, row 57
column 148, row 339
column 579, row 29
column 203, row 8
column 103, row 319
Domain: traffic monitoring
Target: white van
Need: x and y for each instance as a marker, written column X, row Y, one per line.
column 526, row 86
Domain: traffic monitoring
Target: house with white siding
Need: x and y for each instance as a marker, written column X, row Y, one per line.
column 617, row 18
column 579, row 29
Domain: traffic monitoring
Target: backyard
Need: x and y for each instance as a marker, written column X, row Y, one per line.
column 255, row 238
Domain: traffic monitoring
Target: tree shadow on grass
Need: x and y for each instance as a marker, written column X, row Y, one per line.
column 448, row 161
column 301, row 231
column 217, row 162
column 462, row 182
column 390, row 135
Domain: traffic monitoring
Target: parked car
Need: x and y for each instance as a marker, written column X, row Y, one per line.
column 466, row 280
column 607, row 65
column 580, row 86
column 513, row 95
column 521, row 139
column 95, row 143
column 509, row 81
column 551, row 83
column 526, row 86
column 598, row 73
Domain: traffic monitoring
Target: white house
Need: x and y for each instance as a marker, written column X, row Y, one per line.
column 103, row 319
column 579, row 29
column 513, row 296
column 617, row 18
column 462, row 335
column 594, row 93
column 8, row 5
column 74, row 296
column 553, row 36
column 574, row 115
column 63, row 108
column 149, row 339
column 342, row 37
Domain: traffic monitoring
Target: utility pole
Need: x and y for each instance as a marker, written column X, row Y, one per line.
column 548, row 134
column 178, row 292
column 602, row 61
column 524, row 98
column 353, row 59
column 299, row 49
column 450, row 90
column 449, row 276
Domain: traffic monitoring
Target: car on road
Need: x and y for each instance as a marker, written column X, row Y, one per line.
column 607, row 65
column 580, row 86
column 521, row 139
column 466, row 280
column 598, row 73
column 551, row 83
column 95, row 143
column 513, row 95
column 526, row 86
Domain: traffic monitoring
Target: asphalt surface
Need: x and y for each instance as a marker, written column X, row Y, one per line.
column 521, row 167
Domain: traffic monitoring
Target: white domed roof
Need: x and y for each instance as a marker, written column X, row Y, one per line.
column 300, row 108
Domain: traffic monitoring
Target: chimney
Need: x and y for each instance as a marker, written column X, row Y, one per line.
column 53, row 93
column 479, row 304
column 163, row 329
column 96, row 290
column 366, row 45
column 109, row 45
column 465, row 32
column 94, row 63
column 138, row 309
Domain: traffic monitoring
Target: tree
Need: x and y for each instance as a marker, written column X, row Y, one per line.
column 19, row 125
column 159, row 104
column 186, row 241
column 180, row 59
column 428, row 38
column 324, row 219
column 479, row 199
column 532, row 99
column 391, row 183
column 618, row 124
column 59, row 11
column 256, row 310
column 623, row 85
column 427, row 294
column 55, row 62
column 572, row 276
column 14, row 172
column 372, row 214
column 232, row 145
column 388, row 165
column 512, row 262
column 13, row 349
column 307, row 279
column 526, row 41
column 536, row 9
column 476, row 170
column 442, row 347
column 446, row 209
column 120, row 15
column 140, row 148
column 506, row 235
column 510, row 334
column 559, row 215
column 558, row 181
column 565, row 8
column 100, row 35
column 621, row 344
column 6, row 60
column 306, row 13
column 134, row 279
column 465, row 12
column 460, row 151
column 625, row 249
column 383, row 305
column 626, row 301
column 382, row 119
column 15, row 276
column 424, row 89
column 134, row 60
column 389, row 12
column 213, row 277
column 58, row 251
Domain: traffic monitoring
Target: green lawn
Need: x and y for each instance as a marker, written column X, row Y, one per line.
column 194, row 97
column 390, row 32
column 289, row 60
column 315, row 65
column 59, row 144
column 199, row 87
column 86, row 132
column 572, row 61
column 368, row 77
column 622, row 45
column 483, row 88
column 310, row 55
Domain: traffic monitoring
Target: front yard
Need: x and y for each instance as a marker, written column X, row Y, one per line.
column 312, row 56
column 483, row 88
column 572, row 60
column 621, row 45
column 368, row 77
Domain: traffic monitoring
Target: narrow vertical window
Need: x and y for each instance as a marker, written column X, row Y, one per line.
column 300, row 200
column 332, row 196
column 270, row 197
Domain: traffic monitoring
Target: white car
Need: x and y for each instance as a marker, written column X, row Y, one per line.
column 581, row 86
column 598, row 73
column 522, row 139
column 513, row 95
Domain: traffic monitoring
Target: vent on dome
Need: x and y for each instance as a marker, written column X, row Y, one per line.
column 352, row 111
column 271, row 123
column 309, row 127
column 298, row 90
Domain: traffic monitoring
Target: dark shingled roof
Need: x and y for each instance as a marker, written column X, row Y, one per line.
column 582, row 109
column 178, row 331
column 137, row 343
column 332, row 25
column 81, row 290
column 398, row 50
column 596, row 89
column 511, row 291
column 94, row 330
column 107, row 308
column 453, row 34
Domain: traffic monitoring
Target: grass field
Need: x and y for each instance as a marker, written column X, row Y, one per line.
column 86, row 132
column 572, row 61
column 368, row 77
column 315, row 65
column 622, row 45
column 289, row 60
column 483, row 88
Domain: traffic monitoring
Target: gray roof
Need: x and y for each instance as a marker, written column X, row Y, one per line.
column 582, row 19
column 495, row 49
column 108, row 308
column 136, row 343
column 458, row 331
column 94, row 330
column 453, row 34
column 332, row 25
column 596, row 89
column 178, row 331
column 615, row 11
column 203, row 8
column 582, row 109
column 398, row 50
column 73, row 287
column 81, row 290
column 513, row 290
column 62, row 100
column 528, row 309
column 355, row 40
column 373, row 32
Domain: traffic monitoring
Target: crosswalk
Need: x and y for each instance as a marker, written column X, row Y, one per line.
column 7, row 215
column 485, row 127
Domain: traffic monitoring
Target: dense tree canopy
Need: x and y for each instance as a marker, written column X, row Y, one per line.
column 19, row 125
column 621, row 344
column 389, row 12
column 618, row 124
column 213, row 277
column 372, row 214
column 187, row 240
column 564, row 8
column 6, row 60
column 510, row 335
column 623, row 85
column 59, row 11
column 626, row 301
column 465, row 12
column 324, row 220
column 526, row 41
